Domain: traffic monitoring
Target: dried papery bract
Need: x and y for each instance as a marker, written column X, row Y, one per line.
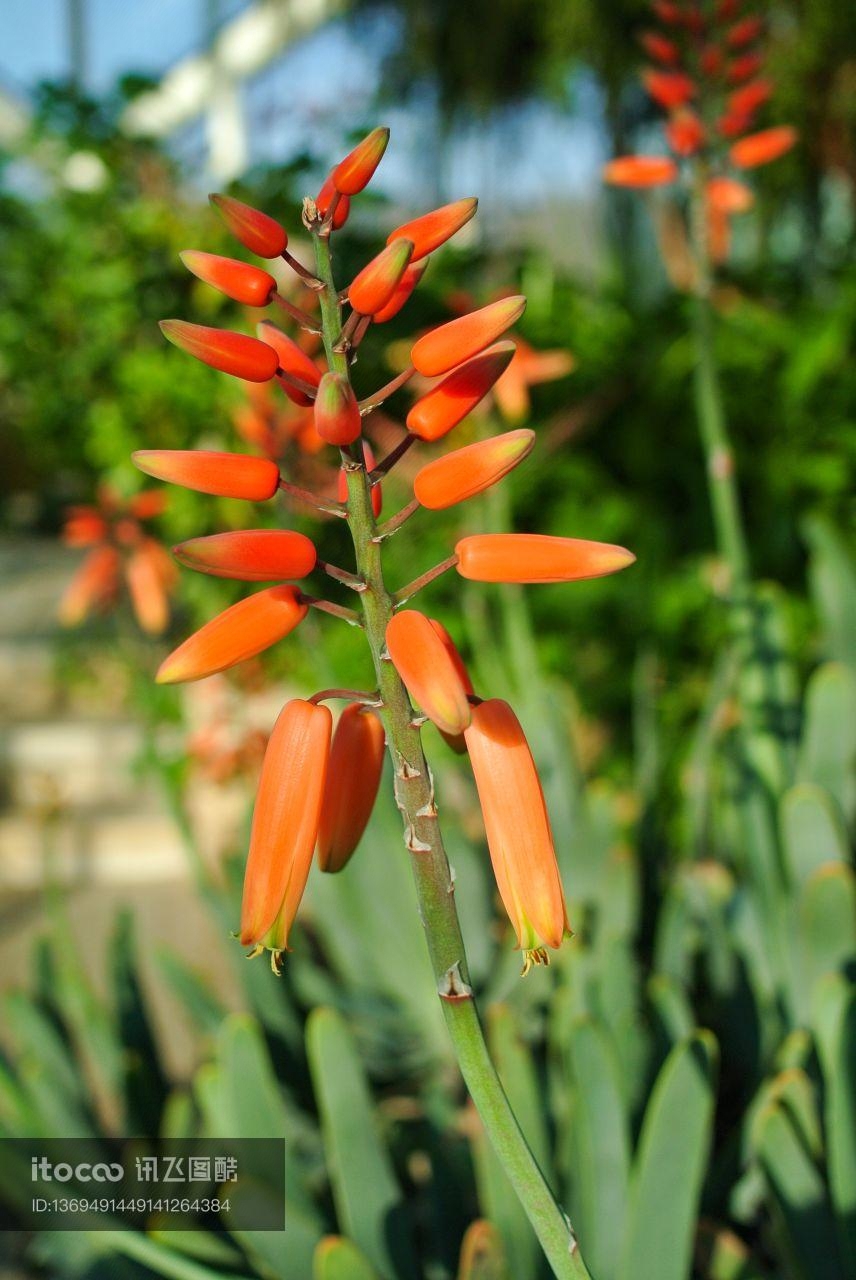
column 353, row 779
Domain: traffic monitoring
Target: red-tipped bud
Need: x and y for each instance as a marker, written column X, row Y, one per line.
column 252, row 555
column 670, row 89
column 743, row 102
column 447, row 404
column 259, row 233
column 711, row 60
column 518, row 829
column 356, row 170
column 229, row 352
column 744, row 32
column 660, row 49
column 337, row 414
column 342, row 482
column 228, row 475
column 93, row 587
column 535, row 557
column 238, row 633
column 452, row 343
column 744, row 68
column 685, row 132
column 424, row 664
column 373, row 288
column 640, row 171
column 324, row 199
column 285, row 823
column 239, row 280
column 762, row 148
column 729, row 196
column 353, row 778
column 435, row 228
column 293, row 362
column 471, row 470
column 401, row 293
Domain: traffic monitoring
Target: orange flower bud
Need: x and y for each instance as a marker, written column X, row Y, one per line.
column 229, row 352
column 726, row 9
column 710, row 60
column 239, row 280
column 729, row 196
column 93, row 586
column 147, row 503
column 731, row 125
column 401, row 292
column 342, row 482
column 422, row 660
column 252, row 555
column 435, row 228
column 471, row 470
column 293, row 360
column 146, row 587
column 455, row 740
column 239, row 632
column 685, row 132
column 536, row 557
column 744, row 68
column 255, row 230
column 353, row 778
column 450, row 344
column 640, row 171
column 373, row 288
column 669, row 89
column 659, row 48
column 83, row 527
column 667, row 12
column 343, row 204
column 744, row 32
column 518, row 829
column 356, row 170
column 742, row 102
column 228, row 475
column 447, row 404
column 762, row 148
column 337, row 414
column 285, row 823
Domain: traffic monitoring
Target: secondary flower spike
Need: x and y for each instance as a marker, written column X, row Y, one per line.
column 353, row 778
column 424, row 664
column 228, row 475
column 518, row 829
column 337, row 414
column 229, row 352
column 251, row 555
column 238, row 280
column 468, row 471
column 447, row 404
column 355, row 172
column 433, row 229
column 372, row 289
column 285, row 824
column 256, row 231
column 450, row 344
column 536, row 557
column 239, row 632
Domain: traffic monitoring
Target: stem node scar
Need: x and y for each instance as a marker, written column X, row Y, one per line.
column 452, row 986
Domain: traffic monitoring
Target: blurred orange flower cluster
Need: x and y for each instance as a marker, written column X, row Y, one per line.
column 317, row 786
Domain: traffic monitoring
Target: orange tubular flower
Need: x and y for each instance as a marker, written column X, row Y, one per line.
column 373, row 288
column 401, row 292
column 337, row 414
column 640, row 171
column 450, row 344
column 669, row 88
column 471, row 470
column 729, row 196
column 240, row 632
column 252, row 555
column 422, row 660
column 659, row 48
column 147, row 578
column 355, row 172
column 447, row 404
column 238, row 280
column 93, row 587
column 259, row 233
column 744, row 68
column 293, row 362
column 685, row 133
column 285, row 825
column 353, row 778
column 229, row 352
column 433, row 229
column 762, row 148
column 743, row 102
column 518, row 830
column 535, row 557
column 228, row 475
column 744, row 32
column 324, row 199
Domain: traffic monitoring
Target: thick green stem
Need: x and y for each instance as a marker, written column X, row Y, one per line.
column 414, row 794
